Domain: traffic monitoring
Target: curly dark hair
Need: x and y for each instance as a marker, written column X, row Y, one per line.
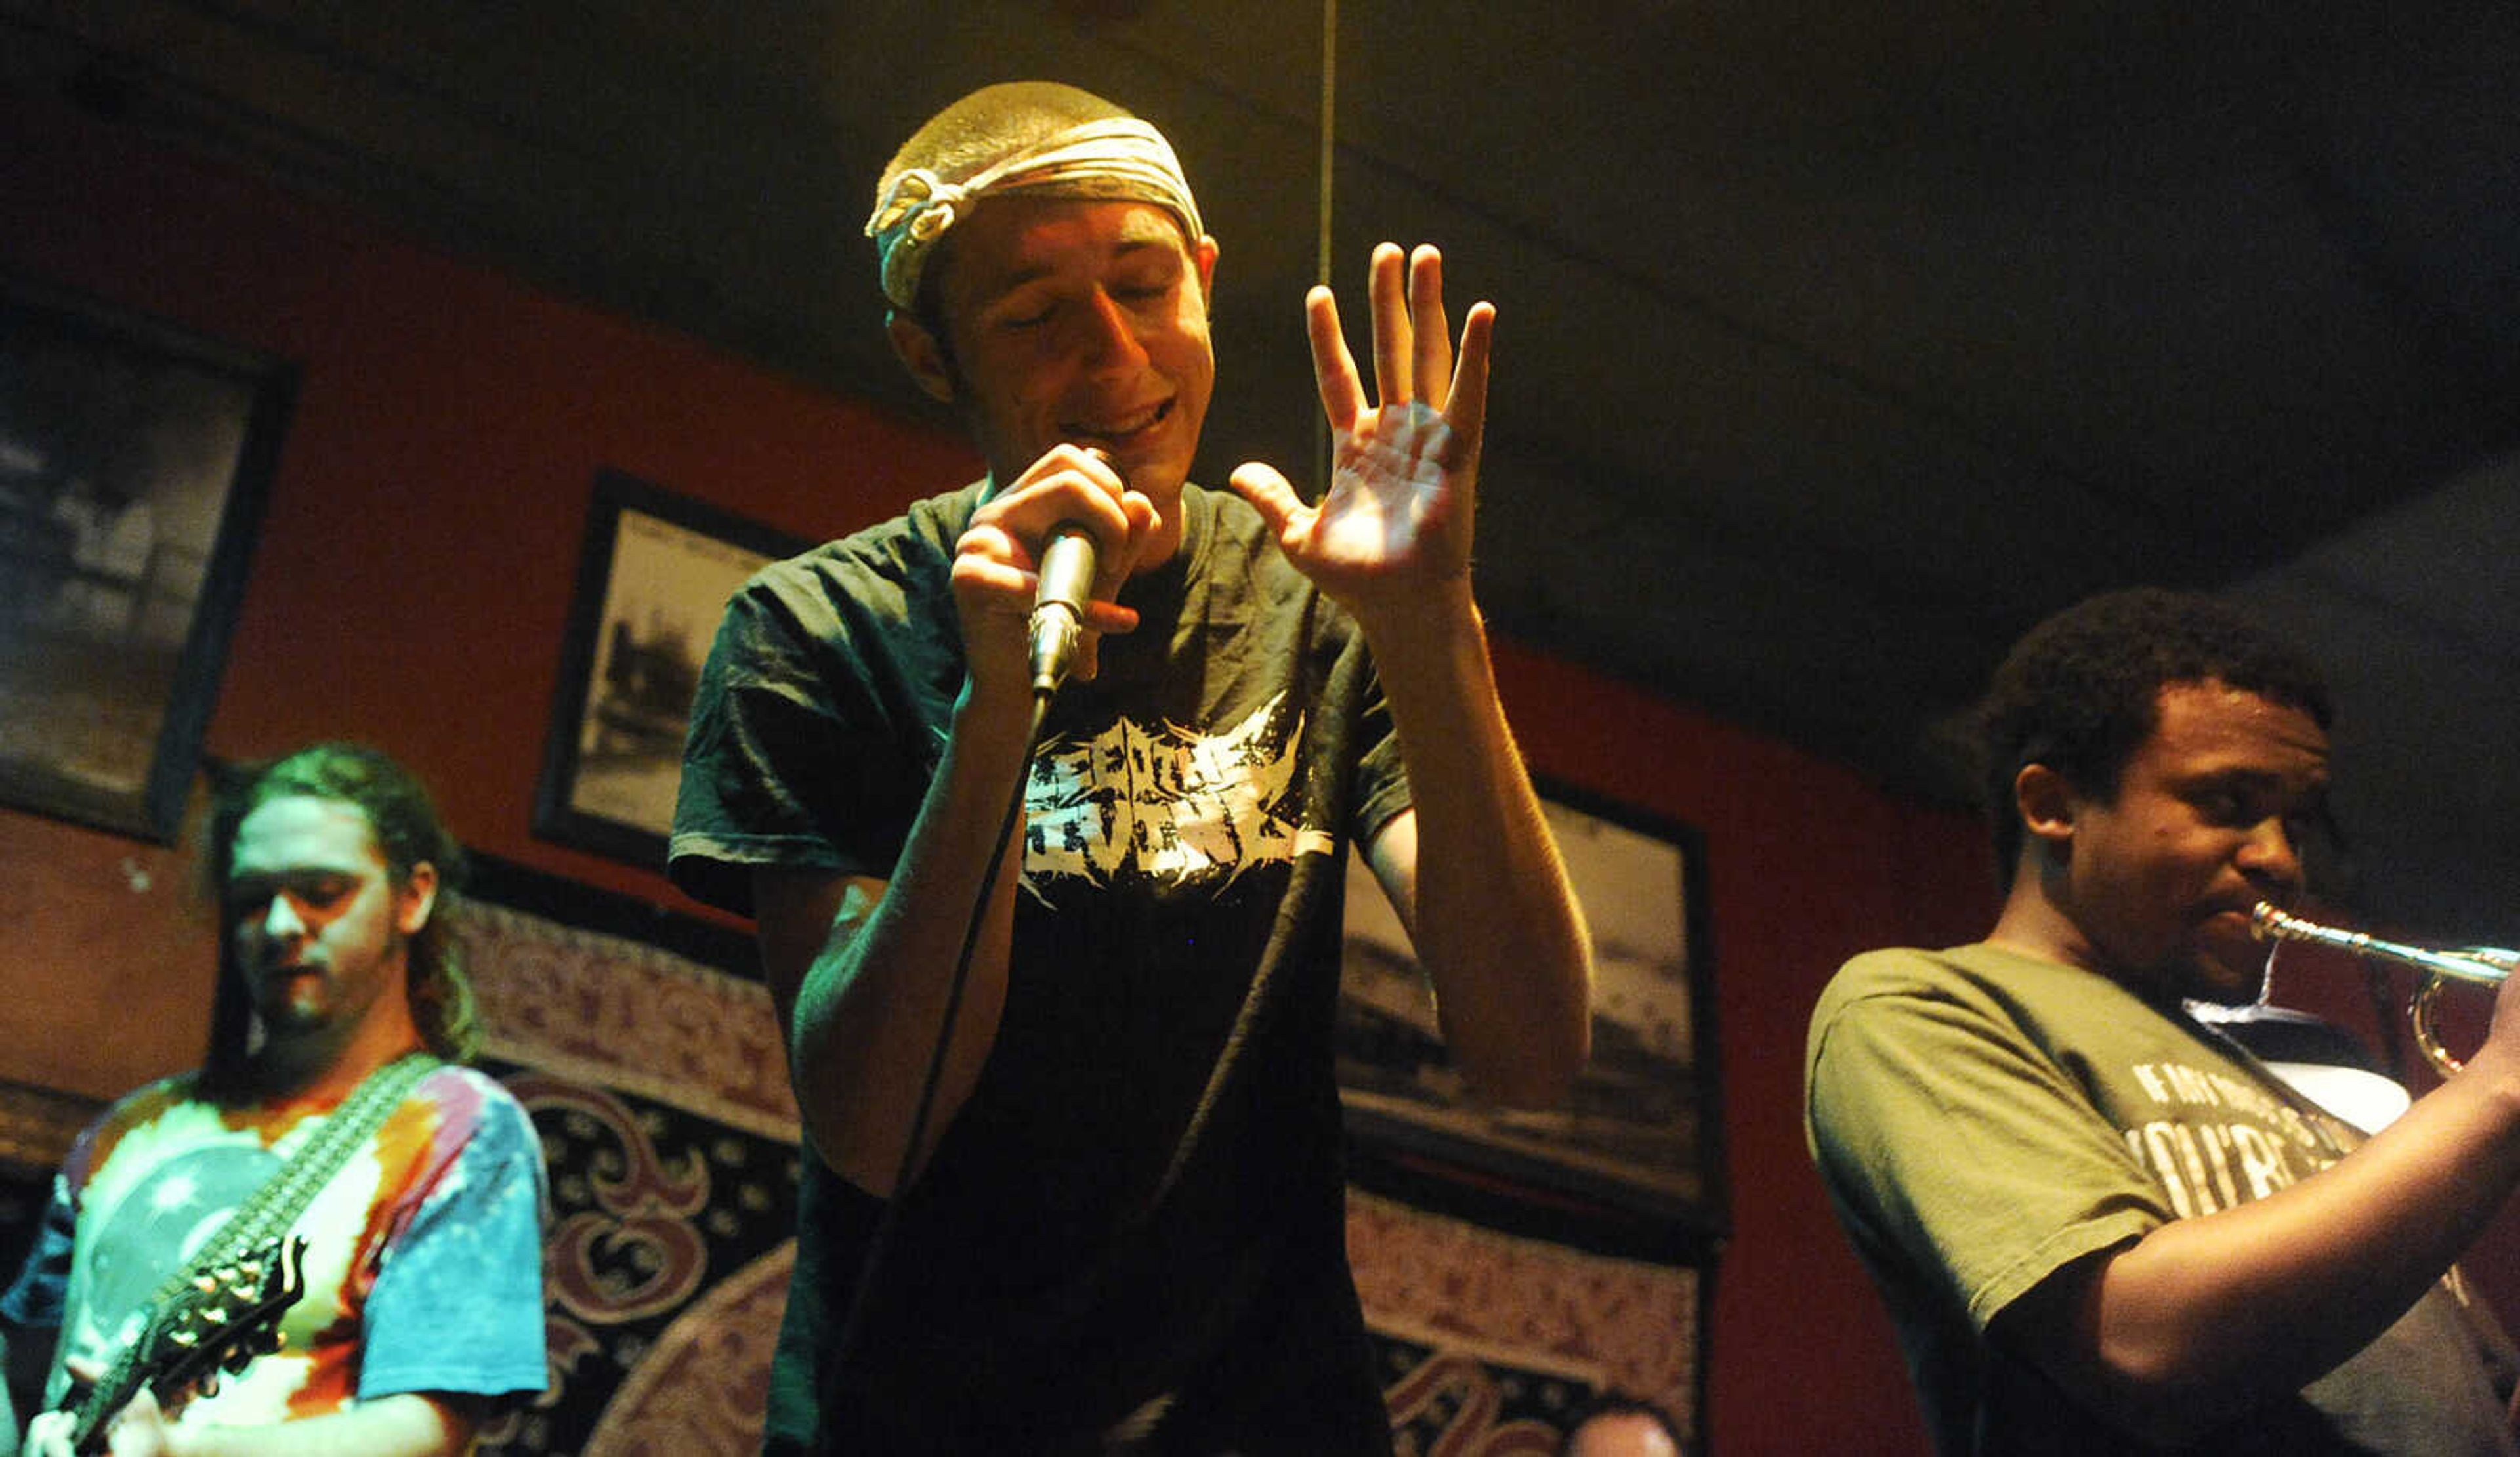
column 408, row 833
column 2082, row 691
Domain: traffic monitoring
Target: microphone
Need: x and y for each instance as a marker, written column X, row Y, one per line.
column 1058, row 604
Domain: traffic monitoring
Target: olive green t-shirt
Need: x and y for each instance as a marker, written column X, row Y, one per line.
column 1982, row 1118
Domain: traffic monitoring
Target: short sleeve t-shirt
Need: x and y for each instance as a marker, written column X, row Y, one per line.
column 1982, row 1118
column 432, row 1227
column 1185, row 815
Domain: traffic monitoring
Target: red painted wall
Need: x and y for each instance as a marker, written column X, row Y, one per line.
column 1806, row 865
column 413, row 578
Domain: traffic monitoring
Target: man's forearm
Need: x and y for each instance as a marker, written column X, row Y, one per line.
column 405, row 1424
column 868, row 996
column 2209, row 1315
column 1495, row 920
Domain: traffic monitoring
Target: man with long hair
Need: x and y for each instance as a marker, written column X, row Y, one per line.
column 338, row 976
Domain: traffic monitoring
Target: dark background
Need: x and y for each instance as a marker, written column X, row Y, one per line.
column 1839, row 343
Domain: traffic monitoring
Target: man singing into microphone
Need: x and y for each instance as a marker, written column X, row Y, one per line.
column 1121, row 1228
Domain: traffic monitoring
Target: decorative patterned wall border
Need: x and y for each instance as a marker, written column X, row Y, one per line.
column 1610, row 1323
column 616, row 1012
column 620, row 1013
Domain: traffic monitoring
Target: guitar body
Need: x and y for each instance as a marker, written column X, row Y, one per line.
column 222, row 1317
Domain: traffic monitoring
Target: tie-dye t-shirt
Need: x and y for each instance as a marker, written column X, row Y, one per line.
column 424, row 1257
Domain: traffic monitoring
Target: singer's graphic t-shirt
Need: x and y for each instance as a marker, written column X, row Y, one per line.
column 1982, row 1119
column 1186, row 817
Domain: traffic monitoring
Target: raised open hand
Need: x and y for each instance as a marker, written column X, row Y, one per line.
column 1397, row 515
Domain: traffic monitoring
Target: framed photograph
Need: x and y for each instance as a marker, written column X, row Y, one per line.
column 653, row 579
column 134, row 459
column 1637, row 1142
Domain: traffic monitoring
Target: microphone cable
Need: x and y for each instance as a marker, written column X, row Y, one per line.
column 1067, row 571
column 879, row 1243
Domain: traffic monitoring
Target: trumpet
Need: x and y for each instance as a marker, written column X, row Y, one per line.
column 2478, row 966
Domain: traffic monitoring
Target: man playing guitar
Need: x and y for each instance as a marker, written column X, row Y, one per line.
column 340, row 1008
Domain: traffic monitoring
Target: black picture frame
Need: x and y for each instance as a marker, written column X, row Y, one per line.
column 654, row 574
column 135, row 459
column 1632, row 1161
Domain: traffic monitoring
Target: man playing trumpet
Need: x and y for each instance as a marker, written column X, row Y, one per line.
column 2099, row 1226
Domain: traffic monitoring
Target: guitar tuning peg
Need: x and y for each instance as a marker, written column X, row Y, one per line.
column 239, row 1358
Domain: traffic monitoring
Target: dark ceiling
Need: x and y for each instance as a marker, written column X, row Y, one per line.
column 1837, row 343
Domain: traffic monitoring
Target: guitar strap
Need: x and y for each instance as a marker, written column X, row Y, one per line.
column 271, row 1210
column 276, row 1206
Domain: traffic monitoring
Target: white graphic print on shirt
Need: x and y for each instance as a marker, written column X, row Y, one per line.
column 1166, row 803
column 2224, row 1142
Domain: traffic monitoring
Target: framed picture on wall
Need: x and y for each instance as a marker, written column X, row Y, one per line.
column 134, row 459
column 654, row 576
column 1638, row 1141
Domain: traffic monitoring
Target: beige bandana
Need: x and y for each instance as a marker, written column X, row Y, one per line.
column 1120, row 159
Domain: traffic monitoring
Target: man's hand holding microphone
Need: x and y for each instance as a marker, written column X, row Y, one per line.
column 1049, row 551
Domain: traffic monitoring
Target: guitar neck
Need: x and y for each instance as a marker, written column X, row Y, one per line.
column 108, row 1395
column 212, row 1319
